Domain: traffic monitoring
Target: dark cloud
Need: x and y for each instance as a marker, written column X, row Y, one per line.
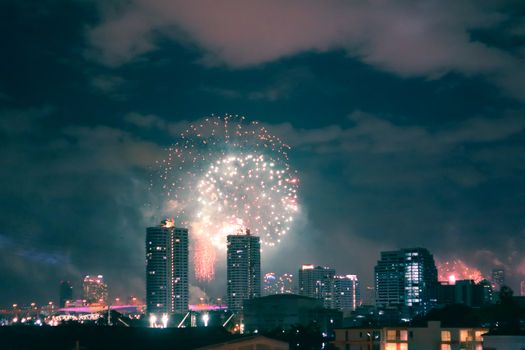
column 109, row 85
column 410, row 39
column 282, row 87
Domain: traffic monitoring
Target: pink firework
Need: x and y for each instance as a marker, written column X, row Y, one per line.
column 225, row 175
column 456, row 269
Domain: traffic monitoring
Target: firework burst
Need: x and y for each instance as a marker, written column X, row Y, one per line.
column 224, row 175
column 457, row 269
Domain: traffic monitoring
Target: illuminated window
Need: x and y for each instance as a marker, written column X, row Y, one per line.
column 390, row 346
column 463, row 335
column 390, row 335
column 445, row 335
column 445, row 347
column 403, row 335
column 479, row 335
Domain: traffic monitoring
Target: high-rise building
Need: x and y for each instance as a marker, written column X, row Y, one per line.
column 66, row 293
column 243, row 269
column 406, row 278
column 498, row 278
column 368, row 296
column 275, row 284
column 484, row 293
column 95, row 291
column 318, row 282
column 347, row 295
column 522, row 288
column 167, row 291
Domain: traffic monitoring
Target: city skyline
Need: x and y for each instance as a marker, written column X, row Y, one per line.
column 319, row 292
column 405, row 127
column 328, row 295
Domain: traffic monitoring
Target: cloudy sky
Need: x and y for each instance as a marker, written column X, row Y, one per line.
column 406, row 121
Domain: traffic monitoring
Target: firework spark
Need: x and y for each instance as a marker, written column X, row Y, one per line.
column 457, row 269
column 225, row 175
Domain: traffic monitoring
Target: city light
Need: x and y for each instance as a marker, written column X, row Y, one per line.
column 152, row 320
column 165, row 319
column 206, row 319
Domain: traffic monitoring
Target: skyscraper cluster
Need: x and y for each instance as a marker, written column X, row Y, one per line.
column 167, row 288
column 406, row 280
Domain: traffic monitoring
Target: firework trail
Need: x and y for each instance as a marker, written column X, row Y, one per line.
column 224, row 175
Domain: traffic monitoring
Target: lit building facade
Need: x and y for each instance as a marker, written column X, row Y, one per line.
column 318, row 282
column 65, row 293
column 94, row 290
column 346, row 292
column 433, row 335
column 243, row 269
column 167, row 290
column 406, row 278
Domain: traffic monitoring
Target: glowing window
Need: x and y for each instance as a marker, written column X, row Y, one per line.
column 445, row 347
column 403, row 335
column 479, row 335
column 463, row 335
column 390, row 335
column 445, row 335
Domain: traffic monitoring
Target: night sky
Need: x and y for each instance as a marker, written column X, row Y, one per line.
column 406, row 121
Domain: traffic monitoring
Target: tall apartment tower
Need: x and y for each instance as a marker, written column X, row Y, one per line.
column 318, row 282
column 406, row 278
column 66, row 293
column 243, row 269
column 346, row 292
column 166, row 269
column 498, row 278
